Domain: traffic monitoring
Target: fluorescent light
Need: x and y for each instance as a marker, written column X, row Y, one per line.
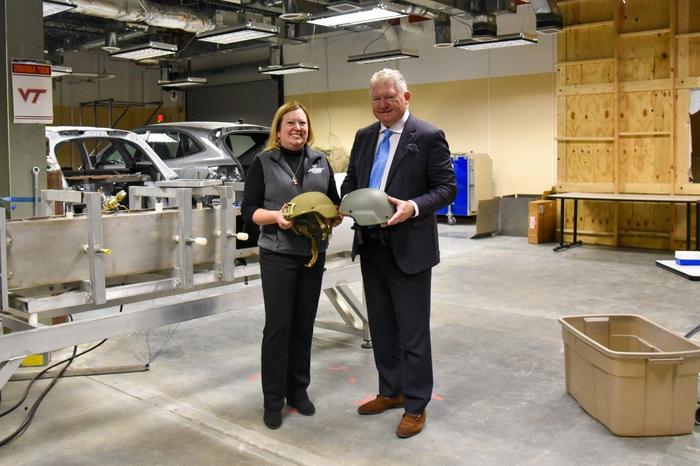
column 287, row 69
column 189, row 81
column 52, row 7
column 60, row 70
column 509, row 40
column 238, row 33
column 379, row 13
column 387, row 55
column 144, row 51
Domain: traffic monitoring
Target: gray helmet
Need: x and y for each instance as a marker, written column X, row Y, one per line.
column 368, row 206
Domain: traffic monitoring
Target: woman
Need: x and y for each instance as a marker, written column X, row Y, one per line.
column 288, row 166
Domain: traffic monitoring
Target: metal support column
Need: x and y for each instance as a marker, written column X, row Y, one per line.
column 22, row 146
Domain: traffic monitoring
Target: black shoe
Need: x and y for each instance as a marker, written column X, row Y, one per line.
column 272, row 419
column 303, row 405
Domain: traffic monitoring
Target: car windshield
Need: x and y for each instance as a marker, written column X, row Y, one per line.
column 245, row 146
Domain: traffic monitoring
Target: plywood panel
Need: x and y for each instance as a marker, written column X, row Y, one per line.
column 586, row 73
column 645, row 217
column 645, row 111
column 590, row 115
column 587, row 43
column 693, row 56
column 586, row 12
column 645, row 160
column 644, row 15
column 595, row 223
column 589, row 162
column 688, row 17
column 645, row 57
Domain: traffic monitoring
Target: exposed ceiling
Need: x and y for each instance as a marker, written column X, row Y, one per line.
column 177, row 22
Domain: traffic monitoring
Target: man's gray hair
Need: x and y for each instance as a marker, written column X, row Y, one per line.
column 388, row 74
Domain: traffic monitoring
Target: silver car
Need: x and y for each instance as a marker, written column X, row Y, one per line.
column 206, row 149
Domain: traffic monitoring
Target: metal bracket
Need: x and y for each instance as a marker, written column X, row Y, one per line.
column 94, row 245
column 184, row 209
column 227, row 234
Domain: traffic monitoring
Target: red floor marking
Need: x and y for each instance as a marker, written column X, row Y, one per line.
column 338, row 368
column 436, row 397
column 253, row 377
column 351, row 380
column 364, row 400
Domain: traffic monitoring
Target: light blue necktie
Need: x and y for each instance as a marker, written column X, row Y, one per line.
column 380, row 158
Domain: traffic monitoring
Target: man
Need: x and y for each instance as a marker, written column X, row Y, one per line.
column 410, row 160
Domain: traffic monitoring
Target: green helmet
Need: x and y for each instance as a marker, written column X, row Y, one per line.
column 312, row 213
column 368, row 206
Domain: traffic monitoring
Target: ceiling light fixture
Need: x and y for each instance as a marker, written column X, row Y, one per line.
column 509, row 40
column 189, row 81
column 288, row 69
column 52, row 7
column 145, row 51
column 238, row 33
column 387, row 55
column 60, row 70
column 378, row 13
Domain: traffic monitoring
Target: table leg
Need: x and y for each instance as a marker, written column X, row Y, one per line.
column 687, row 226
column 562, row 217
column 575, row 221
column 697, row 226
column 575, row 241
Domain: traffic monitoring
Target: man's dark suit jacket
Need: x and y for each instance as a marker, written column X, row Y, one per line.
column 421, row 171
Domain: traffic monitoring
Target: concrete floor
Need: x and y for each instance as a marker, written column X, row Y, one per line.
column 499, row 394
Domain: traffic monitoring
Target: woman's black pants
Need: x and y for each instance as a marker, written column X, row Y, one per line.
column 291, row 292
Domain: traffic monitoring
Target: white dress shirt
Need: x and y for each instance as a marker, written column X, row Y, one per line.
column 397, row 129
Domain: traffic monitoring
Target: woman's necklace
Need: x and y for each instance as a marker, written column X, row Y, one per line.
column 295, row 181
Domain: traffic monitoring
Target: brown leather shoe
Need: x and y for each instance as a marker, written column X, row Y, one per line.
column 411, row 424
column 381, row 404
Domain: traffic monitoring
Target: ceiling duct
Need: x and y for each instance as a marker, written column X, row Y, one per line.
column 111, row 42
column 484, row 28
column 443, row 31
column 549, row 19
column 290, row 11
column 135, row 11
column 479, row 7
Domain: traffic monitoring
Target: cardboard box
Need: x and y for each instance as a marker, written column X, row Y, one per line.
column 635, row 377
column 542, row 221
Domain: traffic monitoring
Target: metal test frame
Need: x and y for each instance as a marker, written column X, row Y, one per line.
column 62, row 265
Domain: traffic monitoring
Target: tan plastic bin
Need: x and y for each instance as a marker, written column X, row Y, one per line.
column 635, row 377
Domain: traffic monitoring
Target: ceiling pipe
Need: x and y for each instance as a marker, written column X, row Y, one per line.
column 120, row 38
column 171, row 17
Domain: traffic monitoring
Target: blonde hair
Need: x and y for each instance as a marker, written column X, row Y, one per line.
column 273, row 141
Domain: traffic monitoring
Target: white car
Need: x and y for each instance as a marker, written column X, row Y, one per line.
column 103, row 159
